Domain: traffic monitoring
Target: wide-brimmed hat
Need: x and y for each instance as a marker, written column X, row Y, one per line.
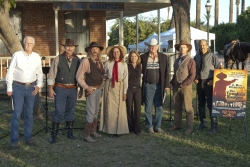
column 152, row 42
column 122, row 48
column 183, row 42
column 221, row 75
column 93, row 44
column 69, row 42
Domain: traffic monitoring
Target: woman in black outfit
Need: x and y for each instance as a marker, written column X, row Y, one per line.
column 134, row 92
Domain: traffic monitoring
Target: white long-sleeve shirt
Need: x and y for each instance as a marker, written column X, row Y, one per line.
column 25, row 69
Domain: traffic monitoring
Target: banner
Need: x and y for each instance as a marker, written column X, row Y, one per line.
column 229, row 93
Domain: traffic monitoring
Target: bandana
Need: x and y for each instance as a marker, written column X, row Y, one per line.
column 115, row 73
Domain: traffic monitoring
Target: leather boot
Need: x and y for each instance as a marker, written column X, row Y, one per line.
column 69, row 126
column 94, row 127
column 87, row 130
column 54, row 132
column 214, row 126
column 189, row 123
column 202, row 114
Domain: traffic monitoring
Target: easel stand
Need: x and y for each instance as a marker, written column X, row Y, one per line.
column 46, row 127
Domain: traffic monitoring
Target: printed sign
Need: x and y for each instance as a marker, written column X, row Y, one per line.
column 229, row 93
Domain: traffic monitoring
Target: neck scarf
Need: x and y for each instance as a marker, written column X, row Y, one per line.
column 115, row 73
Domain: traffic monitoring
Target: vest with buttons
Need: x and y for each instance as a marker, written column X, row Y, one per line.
column 95, row 77
column 66, row 74
column 181, row 71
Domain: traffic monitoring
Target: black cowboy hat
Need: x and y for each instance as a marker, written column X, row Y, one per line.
column 183, row 42
column 69, row 42
column 93, row 44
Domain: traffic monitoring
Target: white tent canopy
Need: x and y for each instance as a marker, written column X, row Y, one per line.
column 195, row 34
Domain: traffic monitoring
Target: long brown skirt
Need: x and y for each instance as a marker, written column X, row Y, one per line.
column 113, row 118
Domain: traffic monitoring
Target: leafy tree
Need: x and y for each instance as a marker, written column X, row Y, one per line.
column 147, row 26
column 243, row 26
column 225, row 33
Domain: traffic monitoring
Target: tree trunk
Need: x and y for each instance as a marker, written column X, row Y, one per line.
column 181, row 9
column 216, row 13
column 231, row 11
column 172, row 22
column 7, row 33
column 198, row 14
column 242, row 6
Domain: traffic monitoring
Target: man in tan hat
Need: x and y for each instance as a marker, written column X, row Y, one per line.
column 206, row 62
column 63, row 88
column 154, row 82
column 184, row 74
column 90, row 76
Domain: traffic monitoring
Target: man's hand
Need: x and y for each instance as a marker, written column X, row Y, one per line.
column 210, row 83
column 124, row 97
column 52, row 93
column 167, row 89
column 9, row 94
column 89, row 90
column 196, row 81
column 35, row 91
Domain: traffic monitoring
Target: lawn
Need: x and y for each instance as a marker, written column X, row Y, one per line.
column 229, row 148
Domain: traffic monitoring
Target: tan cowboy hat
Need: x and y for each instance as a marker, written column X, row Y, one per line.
column 183, row 42
column 69, row 42
column 93, row 44
column 122, row 48
column 152, row 42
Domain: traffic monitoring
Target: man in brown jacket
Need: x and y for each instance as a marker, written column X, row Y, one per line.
column 184, row 74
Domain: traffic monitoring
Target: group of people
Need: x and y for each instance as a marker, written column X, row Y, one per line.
column 121, row 87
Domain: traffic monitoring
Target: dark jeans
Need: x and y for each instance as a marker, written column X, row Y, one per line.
column 205, row 95
column 65, row 103
column 133, row 103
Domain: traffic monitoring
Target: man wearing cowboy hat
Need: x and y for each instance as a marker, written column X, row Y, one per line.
column 206, row 62
column 155, row 80
column 63, row 88
column 184, row 74
column 90, row 76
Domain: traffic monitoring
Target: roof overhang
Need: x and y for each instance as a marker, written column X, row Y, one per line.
column 130, row 7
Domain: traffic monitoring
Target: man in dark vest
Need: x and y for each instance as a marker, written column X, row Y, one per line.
column 90, row 77
column 184, row 74
column 63, row 88
column 155, row 81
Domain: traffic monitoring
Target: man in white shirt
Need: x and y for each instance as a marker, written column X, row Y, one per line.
column 24, row 78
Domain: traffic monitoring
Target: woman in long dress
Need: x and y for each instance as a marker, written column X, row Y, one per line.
column 113, row 119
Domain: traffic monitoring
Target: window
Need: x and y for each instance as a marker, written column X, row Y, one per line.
column 77, row 28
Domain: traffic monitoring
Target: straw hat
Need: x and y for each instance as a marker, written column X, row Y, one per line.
column 152, row 42
column 183, row 42
column 122, row 48
column 69, row 42
column 93, row 44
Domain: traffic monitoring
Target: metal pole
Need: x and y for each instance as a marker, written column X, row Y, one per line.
column 137, row 32
column 208, row 28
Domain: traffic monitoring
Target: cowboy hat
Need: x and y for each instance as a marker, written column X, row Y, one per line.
column 69, row 42
column 93, row 44
column 152, row 42
column 122, row 48
column 183, row 42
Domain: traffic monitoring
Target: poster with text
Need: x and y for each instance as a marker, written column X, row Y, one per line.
column 229, row 93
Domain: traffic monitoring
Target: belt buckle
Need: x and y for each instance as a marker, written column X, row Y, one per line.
column 27, row 84
column 133, row 87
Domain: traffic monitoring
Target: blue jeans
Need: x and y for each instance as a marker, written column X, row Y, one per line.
column 65, row 103
column 152, row 94
column 92, row 105
column 22, row 98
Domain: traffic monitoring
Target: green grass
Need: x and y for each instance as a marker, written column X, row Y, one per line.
column 229, row 148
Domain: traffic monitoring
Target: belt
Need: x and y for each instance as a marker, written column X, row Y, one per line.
column 96, row 87
column 134, row 87
column 68, row 86
column 25, row 84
